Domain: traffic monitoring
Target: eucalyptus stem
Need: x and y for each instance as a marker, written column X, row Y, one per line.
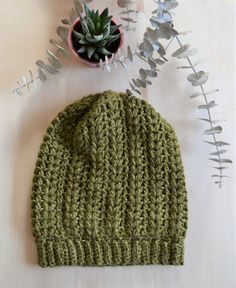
column 127, row 9
column 208, row 112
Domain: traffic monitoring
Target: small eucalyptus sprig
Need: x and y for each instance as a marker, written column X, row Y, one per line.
column 198, row 79
column 60, row 50
column 126, row 14
column 152, row 52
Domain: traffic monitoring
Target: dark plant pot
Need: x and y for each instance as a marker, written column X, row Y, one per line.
column 75, row 45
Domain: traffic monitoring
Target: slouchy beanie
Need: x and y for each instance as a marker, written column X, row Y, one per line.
column 109, row 187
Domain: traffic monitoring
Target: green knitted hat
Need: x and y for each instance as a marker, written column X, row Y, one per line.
column 108, row 187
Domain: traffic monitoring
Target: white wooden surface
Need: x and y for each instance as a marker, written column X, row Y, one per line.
column 26, row 26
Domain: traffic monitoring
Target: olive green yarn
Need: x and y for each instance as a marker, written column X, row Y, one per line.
column 109, row 186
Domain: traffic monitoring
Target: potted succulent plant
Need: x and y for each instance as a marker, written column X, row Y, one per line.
column 94, row 36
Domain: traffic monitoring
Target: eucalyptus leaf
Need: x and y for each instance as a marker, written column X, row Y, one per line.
column 168, row 4
column 148, row 82
column 163, row 17
column 166, row 31
column 128, row 28
column 107, row 62
column 130, row 54
column 198, row 79
column 140, row 56
column 41, row 75
column 218, row 143
column 210, row 121
column 62, row 32
column 184, row 67
column 124, row 3
column 188, row 53
column 137, row 91
column 18, row 91
column 127, row 12
column 151, row 73
column 196, row 94
column 221, row 168
column 141, row 83
column 31, row 76
column 206, row 93
column 59, row 47
column 26, row 83
column 212, row 92
column 121, row 61
column 208, row 105
column 143, row 74
column 219, row 152
column 159, row 61
column 135, row 83
column 131, row 85
column 114, row 61
column 128, row 19
column 205, row 119
column 128, row 92
column 147, row 46
column 53, row 60
column 146, row 54
column 184, row 32
column 78, row 7
column 46, row 67
column 221, row 160
column 218, row 182
column 73, row 15
column 220, row 176
column 213, row 130
column 65, row 21
column 152, row 34
column 181, row 50
column 152, row 63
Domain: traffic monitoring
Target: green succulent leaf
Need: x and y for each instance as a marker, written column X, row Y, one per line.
column 87, row 11
column 84, row 41
column 85, row 27
column 90, row 51
column 96, row 56
column 78, row 35
column 101, row 43
column 114, row 28
column 91, row 39
column 114, row 38
column 103, row 51
column 91, row 25
column 82, row 49
column 97, row 32
column 98, row 37
column 105, row 13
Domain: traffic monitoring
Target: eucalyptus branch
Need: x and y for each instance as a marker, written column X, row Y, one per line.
column 213, row 130
column 164, row 29
column 127, row 14
column 60, row 49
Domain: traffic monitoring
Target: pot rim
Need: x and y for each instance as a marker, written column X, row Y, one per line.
column 92, row 63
